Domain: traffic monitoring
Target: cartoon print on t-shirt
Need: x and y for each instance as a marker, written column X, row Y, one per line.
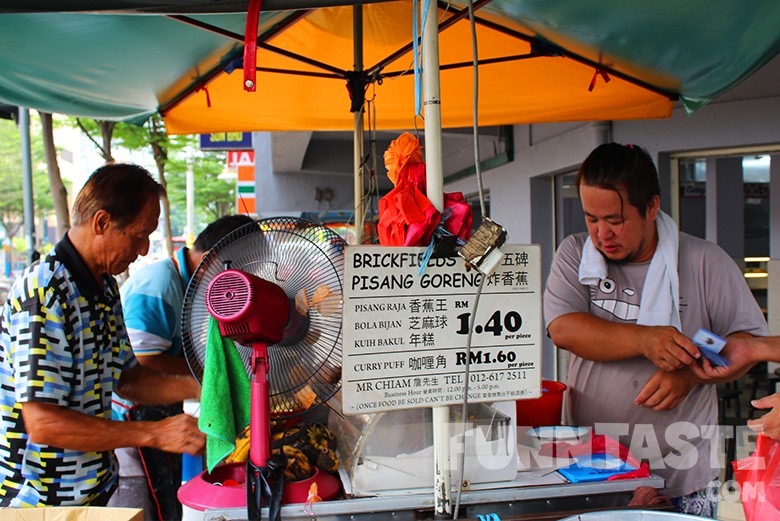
column 622, row 309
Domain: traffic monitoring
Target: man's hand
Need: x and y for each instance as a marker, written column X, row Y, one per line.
column 179, row 434
column 666, row 347
column 49, row 424
column 599, row 340
column 141, row 384
column 740, row 355
column 664, row 391
column 769, row 423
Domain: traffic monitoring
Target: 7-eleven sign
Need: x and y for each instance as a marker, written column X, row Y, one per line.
column 244, row 163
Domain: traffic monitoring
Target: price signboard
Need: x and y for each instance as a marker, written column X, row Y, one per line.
column 405, row 332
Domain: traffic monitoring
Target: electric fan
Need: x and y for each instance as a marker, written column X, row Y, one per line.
column 274, row 287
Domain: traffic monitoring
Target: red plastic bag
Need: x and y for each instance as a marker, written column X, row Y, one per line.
column 406, row 216
column 598, row 444
column 460, row 217
column 758, row 476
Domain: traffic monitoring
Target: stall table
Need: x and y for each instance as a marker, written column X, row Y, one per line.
column 508, row 500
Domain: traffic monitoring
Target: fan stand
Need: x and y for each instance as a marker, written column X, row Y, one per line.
column 253, row 310
column 265, row 473
column 259, row 425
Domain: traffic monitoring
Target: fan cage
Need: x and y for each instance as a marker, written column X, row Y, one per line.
column 301, row 257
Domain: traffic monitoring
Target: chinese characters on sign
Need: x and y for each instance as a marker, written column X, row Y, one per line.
column 405, row 334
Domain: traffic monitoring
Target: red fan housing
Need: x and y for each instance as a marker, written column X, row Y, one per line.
column 248, row 309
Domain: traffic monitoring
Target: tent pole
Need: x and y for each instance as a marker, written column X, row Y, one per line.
column 357, row 27
column 434, row 174
column 432, row 109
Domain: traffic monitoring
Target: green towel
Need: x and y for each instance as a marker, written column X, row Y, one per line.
column 225, row 397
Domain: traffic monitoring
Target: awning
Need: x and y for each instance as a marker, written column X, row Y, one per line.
column 541, row 61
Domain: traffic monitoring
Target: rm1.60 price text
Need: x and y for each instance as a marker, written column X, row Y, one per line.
column 479, row 357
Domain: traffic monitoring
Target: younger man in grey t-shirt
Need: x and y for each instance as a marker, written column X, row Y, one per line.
column 631, row 381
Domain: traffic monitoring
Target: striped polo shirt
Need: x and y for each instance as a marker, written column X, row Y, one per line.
column 62, row 342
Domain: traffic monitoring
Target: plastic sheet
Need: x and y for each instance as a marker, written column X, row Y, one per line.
column 758, row 476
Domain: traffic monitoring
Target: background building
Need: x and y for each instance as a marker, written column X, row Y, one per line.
column 720, row 171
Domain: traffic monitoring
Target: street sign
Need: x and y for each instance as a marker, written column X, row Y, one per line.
column 226, row 141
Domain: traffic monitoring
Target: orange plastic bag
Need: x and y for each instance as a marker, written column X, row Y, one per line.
column 403, row 150
column 758, row 476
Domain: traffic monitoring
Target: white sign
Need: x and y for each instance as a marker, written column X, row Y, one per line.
column 405, row 334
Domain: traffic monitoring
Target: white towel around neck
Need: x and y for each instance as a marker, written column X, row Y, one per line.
column 660, row 302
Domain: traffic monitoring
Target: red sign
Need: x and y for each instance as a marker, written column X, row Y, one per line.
column 240, row 158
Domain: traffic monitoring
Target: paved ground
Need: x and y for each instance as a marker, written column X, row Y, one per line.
column 728, row 511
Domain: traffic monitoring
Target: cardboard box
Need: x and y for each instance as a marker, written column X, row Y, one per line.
column 71, row 514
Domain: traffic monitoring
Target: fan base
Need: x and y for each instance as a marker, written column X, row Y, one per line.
column 206, row 490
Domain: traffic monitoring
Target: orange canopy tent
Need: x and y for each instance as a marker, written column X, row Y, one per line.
column 522, row 78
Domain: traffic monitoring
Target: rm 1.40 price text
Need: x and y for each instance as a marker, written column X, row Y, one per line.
column 508, row 324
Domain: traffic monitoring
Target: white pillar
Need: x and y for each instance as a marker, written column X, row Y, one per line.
column 190, row 193
column 27, row 184
column 773, row 291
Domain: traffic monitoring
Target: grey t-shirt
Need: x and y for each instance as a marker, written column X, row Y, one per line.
column 713, row 295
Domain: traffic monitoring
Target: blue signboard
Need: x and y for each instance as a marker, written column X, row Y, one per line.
column 226, row 141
